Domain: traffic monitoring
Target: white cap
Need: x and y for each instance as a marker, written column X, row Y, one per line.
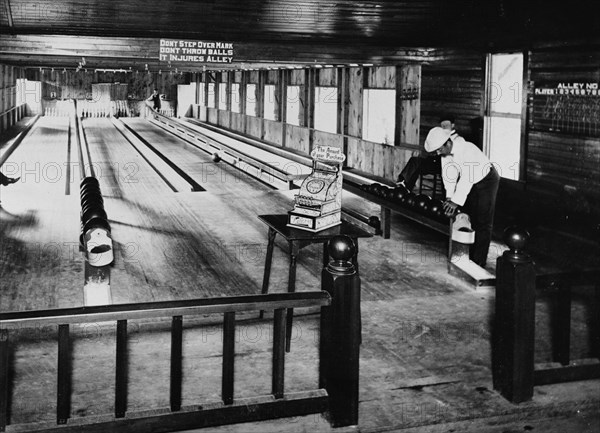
column 436, row 138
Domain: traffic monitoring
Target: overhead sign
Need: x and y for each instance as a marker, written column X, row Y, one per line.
column 181, row 51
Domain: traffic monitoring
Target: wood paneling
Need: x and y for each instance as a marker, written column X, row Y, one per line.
column 253, row 77
column 297, row 138
column 212, row 115
column 355, row 101
column 327, row 77
column 456, row 91
column 567, row 161
column 272, row 77
column 379, row 159
column 381, row 77
column 321, row 138
column 237, row 122
column 224, row 119
column 408, row 104
column 273, row 132
column 254, row 126
column 297, row 77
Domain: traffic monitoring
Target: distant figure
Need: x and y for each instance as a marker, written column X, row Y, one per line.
column 155, row 98
column 5, row 180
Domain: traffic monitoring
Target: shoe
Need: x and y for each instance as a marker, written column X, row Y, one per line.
column 12, row 180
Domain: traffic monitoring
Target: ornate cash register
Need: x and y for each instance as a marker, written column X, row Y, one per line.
column 318, row 205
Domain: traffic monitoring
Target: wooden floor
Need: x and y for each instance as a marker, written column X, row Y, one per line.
column 425, row 356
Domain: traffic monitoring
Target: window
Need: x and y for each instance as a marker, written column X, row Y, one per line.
column 326, row 109
column 211, row 95
column 235, row 97
column 293, row 105
column 223, row 96
column 251, row 99
column 502, row 127
column 379, row 115
column 270, row 103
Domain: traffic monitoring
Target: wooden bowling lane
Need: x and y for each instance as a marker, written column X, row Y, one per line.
column 40, row 263
column 216, row 177
column 176, row 245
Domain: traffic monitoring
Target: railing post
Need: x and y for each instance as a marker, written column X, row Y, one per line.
column 514, row 321
column 3, row 379
column 341, row 333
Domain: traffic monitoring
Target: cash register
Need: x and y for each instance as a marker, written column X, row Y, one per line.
column 318, row 205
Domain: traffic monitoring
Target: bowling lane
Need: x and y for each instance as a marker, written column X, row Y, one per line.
column 40, row 263
column 229, row 208
column 167, row 245
column 218, row 178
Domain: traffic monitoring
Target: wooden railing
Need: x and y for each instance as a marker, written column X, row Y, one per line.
column 335, row 319
column 513, row 337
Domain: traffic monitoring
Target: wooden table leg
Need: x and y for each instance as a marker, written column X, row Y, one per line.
column 386, row 217
column 268, row 260
column 294, row 250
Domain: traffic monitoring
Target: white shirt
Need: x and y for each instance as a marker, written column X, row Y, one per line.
column 462, row 169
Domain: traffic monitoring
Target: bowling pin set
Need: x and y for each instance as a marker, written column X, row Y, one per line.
column 112, row 108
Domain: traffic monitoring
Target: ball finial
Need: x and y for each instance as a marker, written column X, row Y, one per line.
column 516, row 238
column 341, row 248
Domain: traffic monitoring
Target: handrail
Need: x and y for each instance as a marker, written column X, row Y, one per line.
column 12, row 109
column 570, row 278
column 167, row 308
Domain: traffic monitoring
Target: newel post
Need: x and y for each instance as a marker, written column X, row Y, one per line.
column 514, row 321
column 341, row 333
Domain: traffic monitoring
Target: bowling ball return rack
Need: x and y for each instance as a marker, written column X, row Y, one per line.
column 465, row 269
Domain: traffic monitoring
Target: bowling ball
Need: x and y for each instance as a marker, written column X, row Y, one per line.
column 216, row 157
column 88, row 181
column 422, row 203
column 89, row 194
column 374, row 222
column 378, row 189
column 92, row 204
column 93, row 213
column 410, row 200
column 400, row 193
column 434, row 207
column 388, row 193
column 95, row 223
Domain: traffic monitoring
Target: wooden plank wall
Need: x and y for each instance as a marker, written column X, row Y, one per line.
column 61, row 84
column 565, row 165
column 8, row 95
column 455, row 85
column 375, row 158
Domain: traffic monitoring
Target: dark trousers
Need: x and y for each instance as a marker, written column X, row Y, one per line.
column 480, row 205
column 417, row 165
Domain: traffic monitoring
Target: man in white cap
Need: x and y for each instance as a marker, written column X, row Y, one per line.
column 418, row 165
column 470, row 181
